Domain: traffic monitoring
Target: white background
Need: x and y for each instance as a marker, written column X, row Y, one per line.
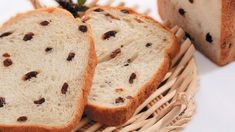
column 216, row 95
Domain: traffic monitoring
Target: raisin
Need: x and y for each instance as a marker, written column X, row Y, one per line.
column 2, row 102
column 132, row 77
column 128, row 61
column 191, row 1
column 48, row 49
column 119, row 90
column 28, row 36
column 122, row 46
column 6, row 55
column 129, row 97
column 64, row 88
column 30, row 75
column 5, row 34
column 22, row 119
column 98, row 10
column 70, row 56
column 109, row 34
column 125, row 11
column 119, row 100
column 181, row 11
column 148, row 45
column 40, row 101
column 83, row 28
column 209, row 38
column 44, row 23
column 115, row 53
column 7, row 62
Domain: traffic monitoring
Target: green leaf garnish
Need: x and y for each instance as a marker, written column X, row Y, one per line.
column 81, row 2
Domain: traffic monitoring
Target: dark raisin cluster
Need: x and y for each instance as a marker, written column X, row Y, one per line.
column 209, row 38
column 119, row 100
column 115, row 53
column 28, row 36
column 28, row 76
column 44, row 23
column 5, row 34
column 191, row 1
column 109, row 34
column 70, row 56
column 64, row 88
column 181, row 11
column 98, row 10
column 7, row 62
column 132, row 78
column 83, row 28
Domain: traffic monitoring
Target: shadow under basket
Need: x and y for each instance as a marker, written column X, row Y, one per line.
column 171, row 106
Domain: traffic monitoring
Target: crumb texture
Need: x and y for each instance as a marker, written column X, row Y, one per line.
column 44, row 57
column 130, row 50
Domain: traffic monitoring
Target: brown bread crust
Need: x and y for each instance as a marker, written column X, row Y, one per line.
column 227, row 32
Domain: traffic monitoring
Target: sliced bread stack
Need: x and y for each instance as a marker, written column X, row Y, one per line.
column 134, row 53
column 209, row 23
column 48, row 60
column 47, row 63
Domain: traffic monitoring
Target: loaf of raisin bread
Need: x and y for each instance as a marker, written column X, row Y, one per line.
column 47, row 63
column 209, row 23
column 134, row 53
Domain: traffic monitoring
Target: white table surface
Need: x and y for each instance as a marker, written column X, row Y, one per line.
column 216, row 96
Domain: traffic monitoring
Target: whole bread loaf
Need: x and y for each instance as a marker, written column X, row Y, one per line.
column 209, row 23
column 134, row 53
column 47, row 63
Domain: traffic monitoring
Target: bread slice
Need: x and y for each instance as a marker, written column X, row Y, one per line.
column 133, row 54
column 47, row 62
column 209, row 23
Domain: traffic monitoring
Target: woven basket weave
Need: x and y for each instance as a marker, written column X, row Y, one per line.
column 171, row 106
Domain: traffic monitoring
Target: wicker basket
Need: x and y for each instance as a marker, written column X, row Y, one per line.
column 171, row 106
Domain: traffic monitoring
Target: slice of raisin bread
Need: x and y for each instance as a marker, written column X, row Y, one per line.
column 209, row 23
column 47, row 62
column 133, row 54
